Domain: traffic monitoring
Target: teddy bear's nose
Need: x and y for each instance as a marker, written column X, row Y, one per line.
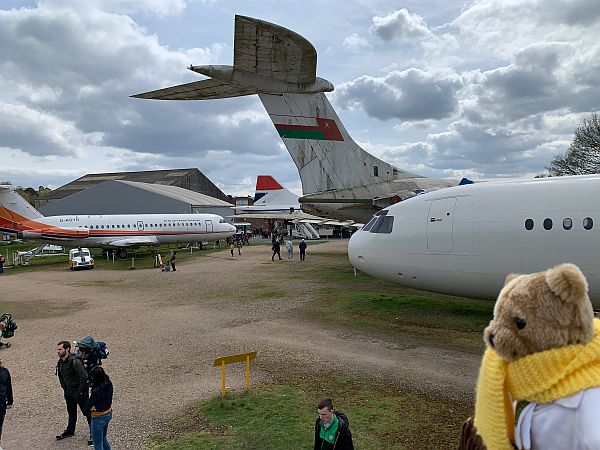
column 491, row 339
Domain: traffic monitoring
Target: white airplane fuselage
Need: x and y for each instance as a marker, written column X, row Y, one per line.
column 123, row 230
column 464, row 240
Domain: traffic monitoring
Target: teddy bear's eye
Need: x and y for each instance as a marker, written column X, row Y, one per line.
column 521, row 323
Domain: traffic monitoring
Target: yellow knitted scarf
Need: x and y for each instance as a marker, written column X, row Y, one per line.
column 541, row 378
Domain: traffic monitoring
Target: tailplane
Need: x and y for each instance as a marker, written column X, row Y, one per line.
column 280, row 66
column 14, row 209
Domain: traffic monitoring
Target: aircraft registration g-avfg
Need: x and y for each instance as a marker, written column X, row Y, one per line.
column 117, row 231
column 339, row 179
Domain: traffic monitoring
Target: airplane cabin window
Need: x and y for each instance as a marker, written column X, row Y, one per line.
column 588, row 223
column 102, row 226
column 547, row 224
column 128, row 226
column 118, row 226
column 529, row 224
column 567, row 224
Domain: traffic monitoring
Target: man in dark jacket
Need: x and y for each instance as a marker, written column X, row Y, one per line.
column 6, row 394
column 276, row 249
column 332, row 431
column 74, row 381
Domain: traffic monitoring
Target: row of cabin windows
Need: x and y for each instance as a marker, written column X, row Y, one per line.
column 567, row 223
column 146, row 225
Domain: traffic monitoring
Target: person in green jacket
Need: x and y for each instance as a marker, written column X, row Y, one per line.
column 332, row 428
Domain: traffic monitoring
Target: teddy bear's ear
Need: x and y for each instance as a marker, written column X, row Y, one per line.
column 567, row 282
column 510, row 277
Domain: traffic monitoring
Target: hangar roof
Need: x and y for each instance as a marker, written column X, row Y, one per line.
column 164, row 177
column 177, row 193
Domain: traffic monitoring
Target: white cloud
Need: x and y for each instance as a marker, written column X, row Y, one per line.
column 400, row 25
column 356, row 43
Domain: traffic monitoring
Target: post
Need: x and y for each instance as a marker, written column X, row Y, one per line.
column 223, row 378
column 247, row 372
column 234, row 359
column 132, row 262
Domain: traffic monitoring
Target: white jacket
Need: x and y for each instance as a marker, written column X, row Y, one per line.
column 570, row 423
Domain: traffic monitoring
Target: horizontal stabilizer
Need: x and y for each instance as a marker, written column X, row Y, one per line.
column 199, row 90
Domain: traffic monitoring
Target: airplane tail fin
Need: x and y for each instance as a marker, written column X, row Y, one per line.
column 326, row 156
column 14, row 209
column 264, row 185
column 280, row 66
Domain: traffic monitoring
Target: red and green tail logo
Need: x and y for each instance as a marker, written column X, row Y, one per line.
column 324, row 130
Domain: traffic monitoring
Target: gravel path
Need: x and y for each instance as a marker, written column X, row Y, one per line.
column 165, row 329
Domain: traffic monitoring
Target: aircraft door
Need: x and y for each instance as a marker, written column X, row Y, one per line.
column 140, row 225
column 440, row 223
column 209, row 226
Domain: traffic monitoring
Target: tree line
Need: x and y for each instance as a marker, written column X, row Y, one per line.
column 583, row 155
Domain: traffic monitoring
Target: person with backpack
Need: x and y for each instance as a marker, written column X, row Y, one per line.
column 100, row 406
column 73, row 379
column 92, row 353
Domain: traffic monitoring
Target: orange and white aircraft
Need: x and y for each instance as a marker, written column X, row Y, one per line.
column 117, row 231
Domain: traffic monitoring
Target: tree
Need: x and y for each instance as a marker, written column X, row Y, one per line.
column 583, row 155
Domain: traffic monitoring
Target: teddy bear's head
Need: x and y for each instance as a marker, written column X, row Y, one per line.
column 541, row 311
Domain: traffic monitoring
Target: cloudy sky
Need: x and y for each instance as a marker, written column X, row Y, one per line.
column 443, row 88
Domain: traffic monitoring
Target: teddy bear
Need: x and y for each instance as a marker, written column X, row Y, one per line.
column 539, row 382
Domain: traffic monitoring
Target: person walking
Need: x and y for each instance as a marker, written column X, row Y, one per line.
column 302, row 248
column 100, row 406
column 276, row 250
column 6, row 395
column 2, row 265
column 332, row 431
column 172, row 260
column 239, row 246
column 74, row 380
column 231, row 247
column 290, row 249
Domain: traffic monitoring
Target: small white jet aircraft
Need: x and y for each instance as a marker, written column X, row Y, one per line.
column 464, row 240
column 270, row 196
column 339, row 178
column 117, row 231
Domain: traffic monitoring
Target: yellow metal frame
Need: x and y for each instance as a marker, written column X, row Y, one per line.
column 247, row 357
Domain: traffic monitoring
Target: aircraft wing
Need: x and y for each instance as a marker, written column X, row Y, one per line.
column 199, row 90
column 272, row 51
column 138, row 240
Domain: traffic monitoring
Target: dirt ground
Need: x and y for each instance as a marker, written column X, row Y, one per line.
column 164, row 331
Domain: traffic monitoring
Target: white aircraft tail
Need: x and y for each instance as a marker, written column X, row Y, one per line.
column 14, row 209
column 326, row 156
column 280, row 66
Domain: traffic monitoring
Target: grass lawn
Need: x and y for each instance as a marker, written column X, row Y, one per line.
column 282, row 416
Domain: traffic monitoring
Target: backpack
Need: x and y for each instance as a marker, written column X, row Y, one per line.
column 102, row 349
column 9, row 326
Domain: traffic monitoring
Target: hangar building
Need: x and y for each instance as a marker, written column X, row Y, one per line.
column 190, row 179
column 132, row 197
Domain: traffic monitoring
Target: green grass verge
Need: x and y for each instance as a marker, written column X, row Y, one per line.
column 283, row 417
